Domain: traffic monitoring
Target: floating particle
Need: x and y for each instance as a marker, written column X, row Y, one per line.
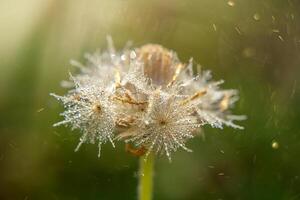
column 238, row 30
column 56, row 133
column 292, row 16
column 12, row 145
column 254, row 158
column 275, row 145
column 221, row 174
column 215, row 27
column 231, row 3
column 249, row 52
column 280, row 38
column 294, row 89
column 273, row 19
column 40, row 110
column 275, row 30
column 256, row 17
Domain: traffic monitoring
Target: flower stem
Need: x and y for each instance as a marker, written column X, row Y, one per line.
column 146, row 177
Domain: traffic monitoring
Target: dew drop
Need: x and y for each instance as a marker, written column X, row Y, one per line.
column 132, row 55
column 123, row 57
column 275, row 145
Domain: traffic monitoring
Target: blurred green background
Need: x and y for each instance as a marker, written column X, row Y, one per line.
column 252, row 44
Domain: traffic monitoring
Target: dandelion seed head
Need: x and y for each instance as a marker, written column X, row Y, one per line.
column 166, row 125
column 144, row 96
column 88, row 108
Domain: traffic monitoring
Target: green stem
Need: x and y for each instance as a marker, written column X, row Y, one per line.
column 146, row 177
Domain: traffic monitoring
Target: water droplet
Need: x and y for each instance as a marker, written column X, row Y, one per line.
column 132, row 55
column 275, row 145
column 123, row 57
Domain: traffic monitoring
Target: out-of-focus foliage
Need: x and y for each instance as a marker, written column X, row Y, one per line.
column 254, row 45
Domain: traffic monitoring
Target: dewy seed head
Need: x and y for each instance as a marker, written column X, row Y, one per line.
column 145, row 97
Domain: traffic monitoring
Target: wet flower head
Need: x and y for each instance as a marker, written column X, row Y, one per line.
column 145, row 97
